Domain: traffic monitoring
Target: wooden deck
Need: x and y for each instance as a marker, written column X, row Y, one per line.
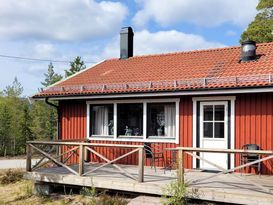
column 223, row 188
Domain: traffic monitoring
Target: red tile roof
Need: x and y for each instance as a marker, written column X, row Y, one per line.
column 193, row 70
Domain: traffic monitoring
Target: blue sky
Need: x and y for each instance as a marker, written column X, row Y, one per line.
column 64, row 29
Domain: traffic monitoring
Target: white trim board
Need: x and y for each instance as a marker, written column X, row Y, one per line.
column 143, row 138
column 232, row 121
column 167, row 94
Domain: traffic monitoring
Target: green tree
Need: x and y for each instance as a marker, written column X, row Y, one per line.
column 261, row 28
column 51, row 77
column 14, row 90
column 25, row 131
column 5, row 130
column 44, row 117
column 44, row 121
column 75, row 66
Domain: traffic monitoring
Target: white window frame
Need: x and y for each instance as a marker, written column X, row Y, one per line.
column 143, row 138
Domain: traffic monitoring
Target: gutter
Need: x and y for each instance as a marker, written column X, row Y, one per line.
column 58, row 114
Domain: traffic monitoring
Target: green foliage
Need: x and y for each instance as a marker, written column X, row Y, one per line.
column 20, row 121
column 11, row 176
column 265, row 4
column 51, row 77
column 44, row 121
column 260, row 29
column 88, row 191
column 5, row 129
column 75, row 66
column 177, row 193
column 14, row 90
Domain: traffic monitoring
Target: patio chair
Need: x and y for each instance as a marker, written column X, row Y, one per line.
column 154, row 153
column 246, row 158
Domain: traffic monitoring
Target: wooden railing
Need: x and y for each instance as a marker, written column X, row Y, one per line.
column 61, row 156
column 182, row 151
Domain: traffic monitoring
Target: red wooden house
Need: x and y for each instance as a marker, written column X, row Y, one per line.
column 215, row 98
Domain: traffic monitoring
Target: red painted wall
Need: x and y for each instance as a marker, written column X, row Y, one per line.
column 253, row 124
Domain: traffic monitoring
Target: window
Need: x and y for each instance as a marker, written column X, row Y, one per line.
column 214, row 121
column 154, row 120
column 102, row 120
column 130, row 119
column 161, row 120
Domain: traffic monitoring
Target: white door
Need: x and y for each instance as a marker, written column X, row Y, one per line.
column 214, row 132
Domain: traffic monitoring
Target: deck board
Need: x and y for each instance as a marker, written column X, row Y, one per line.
column 223, row 188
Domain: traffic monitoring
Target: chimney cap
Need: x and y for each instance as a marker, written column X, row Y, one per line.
column 126, row 30
column 248, row 51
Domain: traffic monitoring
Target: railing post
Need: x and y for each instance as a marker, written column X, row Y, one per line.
column 28, row 160
column 81, row 159
column 140, row 165
column 181, row 166
column 59, row 152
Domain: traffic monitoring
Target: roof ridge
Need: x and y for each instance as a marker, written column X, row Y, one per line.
column 188, row 52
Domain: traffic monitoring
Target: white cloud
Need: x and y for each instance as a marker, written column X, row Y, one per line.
column 44, row 50
column 60, row 19
column 146, row 42
column 202, row 12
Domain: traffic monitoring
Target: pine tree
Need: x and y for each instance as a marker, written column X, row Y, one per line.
column 25, row 129
column 261, row 28
column 75, row 66
column 5, row 130
column 51, row 77
column 14, row 90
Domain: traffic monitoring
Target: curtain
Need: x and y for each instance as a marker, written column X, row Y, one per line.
column 169, row 111
column 101, row 121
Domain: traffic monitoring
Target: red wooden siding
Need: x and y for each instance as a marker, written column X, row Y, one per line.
column 73, row 126
column 253, row 124
column 73, row 121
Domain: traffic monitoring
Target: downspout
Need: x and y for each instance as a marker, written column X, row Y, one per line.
column 59, row 118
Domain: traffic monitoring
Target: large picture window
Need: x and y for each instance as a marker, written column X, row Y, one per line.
column 154, row 120
column 161, row 120
column 102, row 120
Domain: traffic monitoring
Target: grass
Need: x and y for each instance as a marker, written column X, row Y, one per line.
column 17, row 191
column 11, row 176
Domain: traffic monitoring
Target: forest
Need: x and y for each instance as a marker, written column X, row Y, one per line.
column 22, row 119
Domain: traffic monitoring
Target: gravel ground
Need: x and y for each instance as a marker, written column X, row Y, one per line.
column 14, row 163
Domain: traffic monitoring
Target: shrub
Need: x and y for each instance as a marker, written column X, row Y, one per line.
column 176, row 193
column 88, row 191
column 12, row 176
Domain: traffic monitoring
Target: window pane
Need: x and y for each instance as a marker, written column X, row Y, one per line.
column 161, row 119
column 208, row 112
column 219, row 130
column 219, row 112
column 130, row 119
column 102, row 122
column 208, row 129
